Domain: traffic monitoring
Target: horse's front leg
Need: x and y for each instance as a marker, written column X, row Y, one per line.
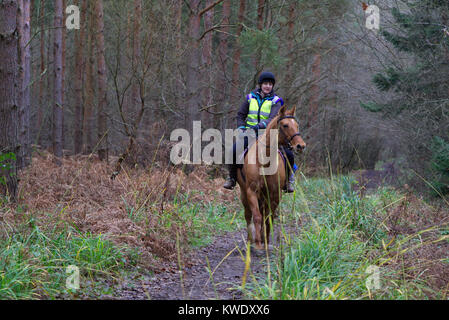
column 248, row 217
column 256, row 217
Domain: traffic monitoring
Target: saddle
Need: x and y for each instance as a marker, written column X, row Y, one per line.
column 242, row 157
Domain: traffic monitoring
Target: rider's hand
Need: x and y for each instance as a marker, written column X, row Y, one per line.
column 255, row 128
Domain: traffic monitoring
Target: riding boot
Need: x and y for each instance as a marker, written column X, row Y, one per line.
column 232, row 178
column 291, row 183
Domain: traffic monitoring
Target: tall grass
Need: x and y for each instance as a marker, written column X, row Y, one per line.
column 342, row 238
column 33, row 262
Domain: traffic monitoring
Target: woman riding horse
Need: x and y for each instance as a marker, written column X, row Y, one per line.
column 261, row 181
column 256, row 112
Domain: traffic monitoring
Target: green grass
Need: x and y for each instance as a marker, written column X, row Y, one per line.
column 341, row 237
column 33, row 262
column 202, row 221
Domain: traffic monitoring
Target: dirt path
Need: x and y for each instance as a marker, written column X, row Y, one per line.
column 196, row 280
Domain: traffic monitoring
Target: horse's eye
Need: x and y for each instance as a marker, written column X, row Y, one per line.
column 285, row 125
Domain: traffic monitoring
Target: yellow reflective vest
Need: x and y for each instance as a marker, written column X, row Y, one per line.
column 259, row 113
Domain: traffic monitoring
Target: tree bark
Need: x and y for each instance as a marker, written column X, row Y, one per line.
column 24, row 29
column 9, row 87
column 207, row 118
column 58, row 81
column 79, row 72
column 315, row 89
column 42, row 104
column 236, row 58
column 88, row 118
column 222, row 82
column 260, row 10
column 102, row 82
column 193, row 64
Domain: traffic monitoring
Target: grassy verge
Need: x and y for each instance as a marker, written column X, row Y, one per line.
column 33, row 262
column 345, row 248
column 34, row 256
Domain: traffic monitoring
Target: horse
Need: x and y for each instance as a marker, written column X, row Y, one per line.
column 261, row 193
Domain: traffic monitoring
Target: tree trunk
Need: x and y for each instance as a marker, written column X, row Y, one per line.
column 23, row 25
column 236, row 58
column 222, row 82
column 178, row 23
column 289, row 74
column 260, row 10
column 42, row 104
column 207, row 118
column 64, row 33
column 315, row 90
column 79, row 72
column 102, row 82
column 58, row 81
column 88, row 119
column 193, row 64
column 9, row 86
column 136, row 63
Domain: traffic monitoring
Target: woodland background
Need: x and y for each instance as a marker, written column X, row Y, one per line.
column 137, row 69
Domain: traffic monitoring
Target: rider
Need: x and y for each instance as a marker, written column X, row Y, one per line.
column 256, row 112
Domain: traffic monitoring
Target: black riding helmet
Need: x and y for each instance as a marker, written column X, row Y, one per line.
column 267, row 76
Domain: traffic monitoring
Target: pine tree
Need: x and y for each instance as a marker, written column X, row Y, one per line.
column 421, row 87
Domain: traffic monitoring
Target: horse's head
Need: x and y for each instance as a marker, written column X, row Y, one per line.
column 289, row 129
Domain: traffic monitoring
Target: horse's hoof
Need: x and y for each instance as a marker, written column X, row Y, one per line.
column 257, row 250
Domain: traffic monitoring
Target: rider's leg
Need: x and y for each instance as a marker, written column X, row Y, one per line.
column 289, row 172
column 232, row 178
column 232, row 168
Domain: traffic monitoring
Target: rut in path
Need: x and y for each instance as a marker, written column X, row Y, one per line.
column 197, row 283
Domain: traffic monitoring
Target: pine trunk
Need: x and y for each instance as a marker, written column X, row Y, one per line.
column 223, row 58
column 207, row 118
column 88, row 118
column 42, row 103
column 102, row 82
column 9, row 87
column 236, row 58
column 58, row 81
column 193, row 75
column 260, row 10
column 23, row 24
column 79, row 72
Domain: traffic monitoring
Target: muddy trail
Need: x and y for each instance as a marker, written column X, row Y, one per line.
column 215, row 273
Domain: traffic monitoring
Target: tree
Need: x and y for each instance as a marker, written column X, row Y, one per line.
column 24, row 28
column 58, row 80
column 89, row 91
column 9, row 87
column 421, row 87
column 237, row 54
column 79, row 72
column 102, row 83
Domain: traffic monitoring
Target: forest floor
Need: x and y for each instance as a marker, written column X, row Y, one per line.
column 159, row 233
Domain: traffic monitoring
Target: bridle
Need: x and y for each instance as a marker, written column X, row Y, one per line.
column 282, row 130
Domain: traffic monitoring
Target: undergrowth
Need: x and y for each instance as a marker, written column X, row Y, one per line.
column 345, row 247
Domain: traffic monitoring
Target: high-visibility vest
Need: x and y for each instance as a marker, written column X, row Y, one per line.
column 258, row 113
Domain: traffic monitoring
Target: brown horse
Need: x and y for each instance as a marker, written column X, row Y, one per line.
column 261, row 193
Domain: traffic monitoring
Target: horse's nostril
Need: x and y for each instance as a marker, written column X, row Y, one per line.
column 298, row 147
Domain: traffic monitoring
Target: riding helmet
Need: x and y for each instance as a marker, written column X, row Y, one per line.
column 267, row 76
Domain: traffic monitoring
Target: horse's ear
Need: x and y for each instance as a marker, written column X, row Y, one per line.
column 282, row 111
column 293, row 111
